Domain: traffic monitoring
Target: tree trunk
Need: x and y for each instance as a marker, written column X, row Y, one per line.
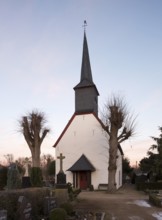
column 112, row 183
column 36, row 158
column 35, row 161
column 35, row 152
column 113, row 142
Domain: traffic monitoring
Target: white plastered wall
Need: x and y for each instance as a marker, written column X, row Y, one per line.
column 86, row 136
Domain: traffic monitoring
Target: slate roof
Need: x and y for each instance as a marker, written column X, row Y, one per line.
column 82, row 164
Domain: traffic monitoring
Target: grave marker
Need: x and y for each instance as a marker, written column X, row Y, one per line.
column 61, row 176
column 26, row 178
column 24, row 209
column 3, row 214
column 49, row 205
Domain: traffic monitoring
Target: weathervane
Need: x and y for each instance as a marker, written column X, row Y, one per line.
column 85, row 25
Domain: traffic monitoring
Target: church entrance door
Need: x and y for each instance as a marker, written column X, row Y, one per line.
column 83, row 180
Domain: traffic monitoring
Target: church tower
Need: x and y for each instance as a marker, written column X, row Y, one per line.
column 86, row 93
column 83, row 142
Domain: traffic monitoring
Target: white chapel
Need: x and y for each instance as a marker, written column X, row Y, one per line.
column 84, row 141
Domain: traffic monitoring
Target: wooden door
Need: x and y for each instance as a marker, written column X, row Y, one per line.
column 83, row 180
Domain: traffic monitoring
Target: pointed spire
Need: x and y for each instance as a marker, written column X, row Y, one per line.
column 86, row 93
column 86, row 73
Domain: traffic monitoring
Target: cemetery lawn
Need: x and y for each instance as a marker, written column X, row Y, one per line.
column 126, row 203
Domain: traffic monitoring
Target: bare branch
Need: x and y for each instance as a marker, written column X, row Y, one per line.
column 26, row 131
column 44, row 135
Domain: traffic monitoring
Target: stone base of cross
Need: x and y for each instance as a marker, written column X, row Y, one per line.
column 61, row 176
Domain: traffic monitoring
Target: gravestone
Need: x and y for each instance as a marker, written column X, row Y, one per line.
column 24, row 209
column 26, row 167
column 3, row 214
column 49, row 204
column 26, row 182
column 61, row 176
column 26, row 178
column 13, row 177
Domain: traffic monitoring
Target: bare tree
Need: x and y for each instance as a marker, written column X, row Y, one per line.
column 45, row 159
column 120, row 126
column 9, row 158
column 34, row 131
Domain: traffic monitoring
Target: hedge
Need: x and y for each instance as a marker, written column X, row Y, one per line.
column 149, row 186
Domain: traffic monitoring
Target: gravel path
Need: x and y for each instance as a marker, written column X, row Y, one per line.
column 126, row 203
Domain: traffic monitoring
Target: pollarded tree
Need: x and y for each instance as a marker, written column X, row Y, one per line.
column 120, row 126
column 34, row 131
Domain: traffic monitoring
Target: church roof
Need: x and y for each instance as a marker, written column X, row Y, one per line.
column 86, row 79
column 82, row 164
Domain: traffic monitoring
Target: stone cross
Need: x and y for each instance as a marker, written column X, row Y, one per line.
column 61, row 157
column 26, row 167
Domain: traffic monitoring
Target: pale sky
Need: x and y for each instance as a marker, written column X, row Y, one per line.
column 40, row 62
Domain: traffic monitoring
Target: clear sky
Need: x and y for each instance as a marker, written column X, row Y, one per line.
column 40, row 62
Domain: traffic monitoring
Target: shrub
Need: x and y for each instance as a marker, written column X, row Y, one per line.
column 146, row 186
column 91, row 188
column 76, row 192
column 3, row 177
column 155, row 200
column 36, row 177
column 69, row 187
column 68, row 207
column 73, row 193
column 58, row 214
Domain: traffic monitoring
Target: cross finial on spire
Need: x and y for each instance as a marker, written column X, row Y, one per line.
column 85, row 25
